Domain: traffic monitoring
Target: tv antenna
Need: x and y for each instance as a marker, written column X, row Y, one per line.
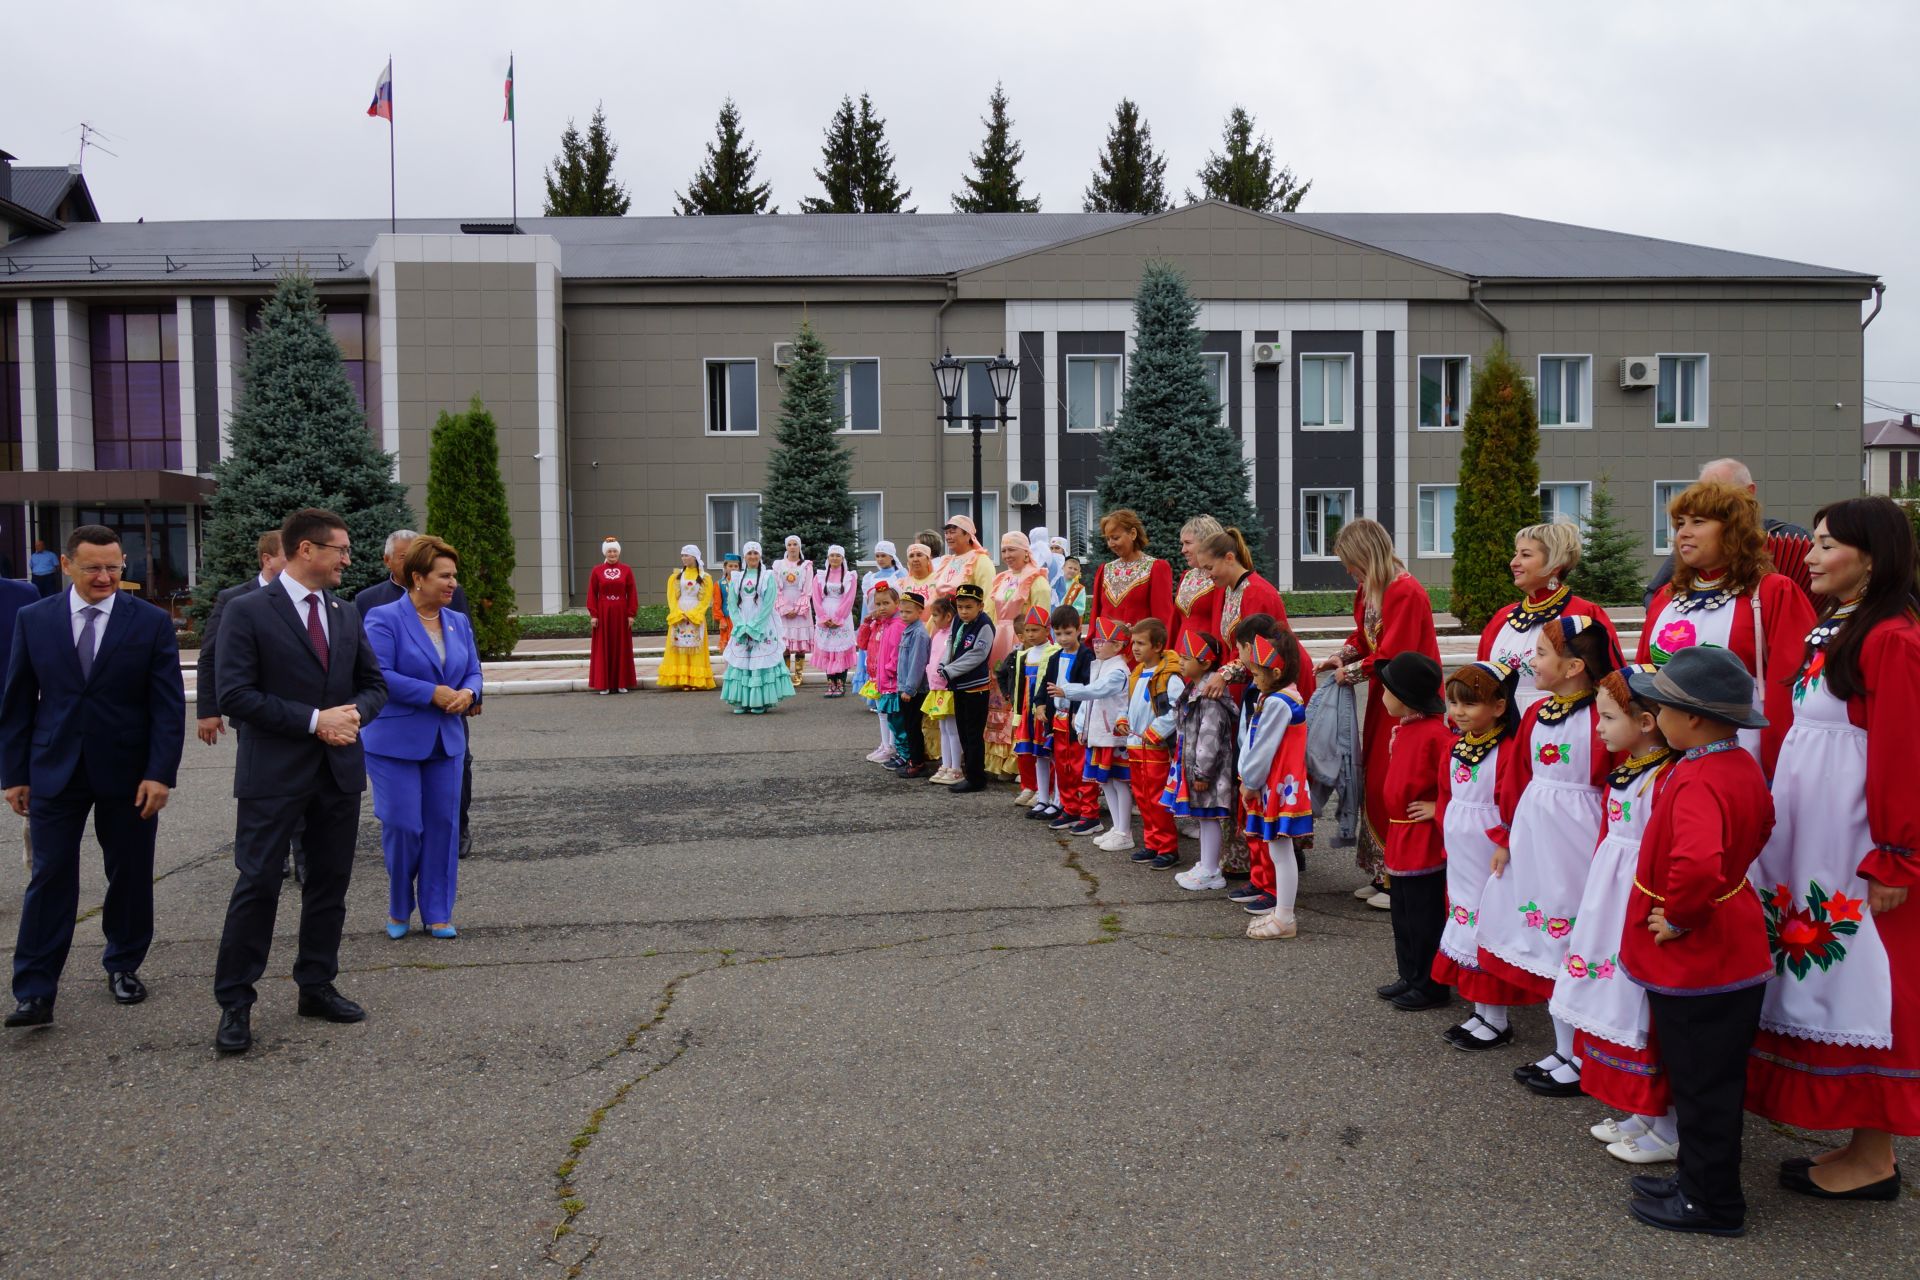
column 92, row 137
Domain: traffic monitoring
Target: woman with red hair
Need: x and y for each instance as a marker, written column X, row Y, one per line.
column 1132, row 586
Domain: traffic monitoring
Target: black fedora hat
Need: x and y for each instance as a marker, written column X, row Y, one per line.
column 1414, row 678
column 1704, row 680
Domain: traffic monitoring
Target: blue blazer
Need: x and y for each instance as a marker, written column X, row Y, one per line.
column 410, row 724
column 14, row 596
column 126, row 722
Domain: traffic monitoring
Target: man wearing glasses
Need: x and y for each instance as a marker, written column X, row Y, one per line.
column 92, row 722
column 298, row 681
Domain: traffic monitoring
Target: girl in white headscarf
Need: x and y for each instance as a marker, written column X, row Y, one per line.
column 690, row 605
column 793, row 602
column 835, row 588
column 886, row 568
column 756, row 676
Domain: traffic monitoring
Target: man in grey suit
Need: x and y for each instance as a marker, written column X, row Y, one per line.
column 298, row 679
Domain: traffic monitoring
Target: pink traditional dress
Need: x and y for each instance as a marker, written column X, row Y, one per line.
column 834, row 631
column 1012, row 594
column 793, row 601
column 974, row 566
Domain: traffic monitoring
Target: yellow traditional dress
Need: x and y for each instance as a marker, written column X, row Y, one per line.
column 689, row 605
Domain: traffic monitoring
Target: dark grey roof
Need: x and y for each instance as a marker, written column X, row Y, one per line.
column 1889, row 433
column 41, row 188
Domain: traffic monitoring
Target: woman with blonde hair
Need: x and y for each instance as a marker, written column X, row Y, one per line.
column 1133, row 586
column 1544, row 557
column 1392, row 615
column 1196, row 601
column 1725, row 592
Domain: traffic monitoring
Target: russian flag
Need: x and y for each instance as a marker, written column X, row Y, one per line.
column 382, row 104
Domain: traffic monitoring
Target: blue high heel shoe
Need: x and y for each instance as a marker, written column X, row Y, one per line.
column 444, row 931
column 396, row 931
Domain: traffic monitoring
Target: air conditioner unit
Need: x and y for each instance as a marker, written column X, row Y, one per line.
column 1024, row 493
column 1268, row 353
column 782, row 355
column 1639, row 371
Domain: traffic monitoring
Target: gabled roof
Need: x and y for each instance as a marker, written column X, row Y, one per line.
column 42, row 189
column 1890, row 433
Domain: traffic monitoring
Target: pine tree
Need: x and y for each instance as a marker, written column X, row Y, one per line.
column 1499, row 487
column 1132, row 177
column 1613, row 568
column 580, row 182
column 467, row 507
column 298, row 438
column 1167, row 456
column 810, row 468
column 858, row 176
column 724, row 181
column 995, row 186
column 1242, row 171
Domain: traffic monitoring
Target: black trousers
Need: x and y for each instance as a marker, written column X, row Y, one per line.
column 53, row 891
column 1419, row 918
column 466, row 792
column 262, row 832
column 970, row 718
column 1703, row 1045
column 907, row 726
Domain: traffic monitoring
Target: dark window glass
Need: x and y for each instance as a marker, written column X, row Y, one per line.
column 11, row 414
column 136, row 390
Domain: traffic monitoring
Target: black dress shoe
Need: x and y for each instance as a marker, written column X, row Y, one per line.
column 1415, row 999
column 1399, row 986
column 127, row 987
column 1543, row 1083
column 34, row 1011
column 1677, row 1213
column 966, row 788
column 1461, row 1037
column 1654, row 1186
column 325, row 1002
column 1801, row 1182
column 1527, row 1071
column 236, row 1030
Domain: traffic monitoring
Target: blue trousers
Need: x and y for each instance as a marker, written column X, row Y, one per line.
column 418, row 804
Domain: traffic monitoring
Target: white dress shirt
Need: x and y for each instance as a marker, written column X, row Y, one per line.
column 298, row 593
column 78, row 606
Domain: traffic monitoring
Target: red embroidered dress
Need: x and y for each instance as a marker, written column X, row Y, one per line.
column 1196, row 603
column 1130, row 591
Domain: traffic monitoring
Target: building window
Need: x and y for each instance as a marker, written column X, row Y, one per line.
column 136, row 390
column 961, row 504
column 869, row 514
column 1681, row 400
column 12, row 416
column 1325, row 392
column 976, row 395
column 1083, row 523
column 348, row 327
column 1093, row 392
column 163, row 575
column 1213, row 367
column 1565, row 502
column 1664, row 492
column 1436, row 519
column 733, row 520
column 1564, row 391
column 733, row 397
column 1444, row 384
column 1323, row 512
column 856, row 394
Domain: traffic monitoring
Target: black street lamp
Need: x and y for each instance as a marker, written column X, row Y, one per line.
column 1003, row 373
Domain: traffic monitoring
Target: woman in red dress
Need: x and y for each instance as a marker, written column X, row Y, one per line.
column 613, row 598
column 1196, row 601
column 1133, row 585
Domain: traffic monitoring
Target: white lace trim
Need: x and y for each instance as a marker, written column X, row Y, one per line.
column 1550, row 972
column 1595, row 1027
column 1471, row 962
column 1823, row 1035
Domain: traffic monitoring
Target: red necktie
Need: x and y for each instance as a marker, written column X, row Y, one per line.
column 315, row 632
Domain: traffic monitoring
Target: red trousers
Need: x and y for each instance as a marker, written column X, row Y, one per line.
column 1149, row 778
column 1029, row 774
column 1078, row 797
column 1260, row 864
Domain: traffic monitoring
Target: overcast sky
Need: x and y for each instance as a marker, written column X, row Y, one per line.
column 1777, row 128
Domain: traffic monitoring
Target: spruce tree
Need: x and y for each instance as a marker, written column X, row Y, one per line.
column 467, row 507
column 1499, row 491
column 994, row 186
column 580, row 181
column 1242, row 172
column 724, row 181
column 1167, row 456
column 298, row 438
column 810, row 468
column 1132, row 177
column 858, row 174
column 1613, row 568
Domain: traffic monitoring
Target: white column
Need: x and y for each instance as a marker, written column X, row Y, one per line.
column 1049, row 427
column 1404, row 498
column 389, row 390
column 189, row 393
column 1366, row 376
column 29, row 390
column 1285, row 519
column 73, row 386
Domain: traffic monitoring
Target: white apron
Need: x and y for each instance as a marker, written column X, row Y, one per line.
column 1471, row 810
column 689, row 635
column 1674, row 631
column 1515, row 648
column 1834, row 985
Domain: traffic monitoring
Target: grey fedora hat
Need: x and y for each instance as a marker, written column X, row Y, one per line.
column 1705, row 680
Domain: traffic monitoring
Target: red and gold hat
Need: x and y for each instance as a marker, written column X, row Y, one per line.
column 1199, row 646
column 1037, row 617
column 1265, row 652
column 1108, row 631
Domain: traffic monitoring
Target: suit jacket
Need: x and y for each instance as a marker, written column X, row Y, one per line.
column 410, row 724
column 367, row 599
column 14, row 596
column 206, row 689
column 123, row 724
column 271, row 683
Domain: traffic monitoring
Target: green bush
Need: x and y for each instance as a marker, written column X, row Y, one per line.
column 1499, row 487
column 467, row 507
column 652, row 621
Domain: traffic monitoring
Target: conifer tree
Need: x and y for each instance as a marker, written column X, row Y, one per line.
column 858, row 174
column 1132, row 177
column 1242, row 171
column 1499, row 491
column 298, row 439
column 724, row 181
column 810, row 468
column 994, row 186
column 1613, row 567
column 580, row 181
column 1167, row 456
column 467, row 507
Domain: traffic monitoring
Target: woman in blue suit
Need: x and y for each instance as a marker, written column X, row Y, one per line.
column 415, row 745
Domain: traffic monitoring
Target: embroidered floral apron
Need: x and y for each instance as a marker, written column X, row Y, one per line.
column 1471, row 810
column 1515, row 648
column 1591, row 992
column 1674, row 630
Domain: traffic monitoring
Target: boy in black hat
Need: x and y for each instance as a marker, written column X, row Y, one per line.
column 969, row 675
column 1696, row 936
column 1416, row 855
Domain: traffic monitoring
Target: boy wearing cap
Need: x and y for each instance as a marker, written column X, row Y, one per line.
column 969, row 674
column 1696, row 937
column 1416, row 851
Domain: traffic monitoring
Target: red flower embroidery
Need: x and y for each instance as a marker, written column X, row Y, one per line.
column 1800, row 933
column 1841, row 907
column 1782, row 898
column 1550, row 754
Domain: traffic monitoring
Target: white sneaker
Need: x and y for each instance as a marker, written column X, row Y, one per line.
column 1118, row 840
column 1646, row 1149
column 944, row 777
column 1024, row 798
column 1380, row 901
column 1199, row 881
column 1365, row 891
column 878, row 754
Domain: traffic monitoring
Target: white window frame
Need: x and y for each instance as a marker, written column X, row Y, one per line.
column 879, row 521
column 963, row 403
column 1466, row 393
column 714, row 554
column 989, row 511
column 1586, row 390
column 1305, row 542
column 1094, row 542
column 1346, row 391
column 1119, row 364
column 1422, row 551
column 1225, row 361
column 842, row 367
column 706, row 403
column 1585, row 512
column 1702, row 382
column 1662, row 522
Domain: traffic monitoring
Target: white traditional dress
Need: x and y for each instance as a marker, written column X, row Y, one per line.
column 793, row 603
column 1472, row 810
column 834, row 592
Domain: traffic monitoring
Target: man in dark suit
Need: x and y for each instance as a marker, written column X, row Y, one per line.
column 399, row 542
column 298, row 679
column 14, row 596
column 206, row 695
column 92, row 722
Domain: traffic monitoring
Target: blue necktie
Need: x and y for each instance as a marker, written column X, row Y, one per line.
column 85, row 650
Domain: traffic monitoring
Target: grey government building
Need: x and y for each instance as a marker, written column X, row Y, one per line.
column 635, row 364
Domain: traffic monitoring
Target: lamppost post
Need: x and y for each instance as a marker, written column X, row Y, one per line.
column 947, row 375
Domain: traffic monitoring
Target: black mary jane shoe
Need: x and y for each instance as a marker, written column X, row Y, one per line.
column 1462, row 1037
column 1677, row 1213
column 1543, row 1083
column 1800, row 1182
column 1398, row 987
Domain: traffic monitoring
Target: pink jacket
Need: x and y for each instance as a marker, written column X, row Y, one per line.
column 883, row 654
column 936, row 679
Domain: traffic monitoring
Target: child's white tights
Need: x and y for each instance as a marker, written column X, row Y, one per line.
column 886, row 732
column 1119, row 804
column 950, row 743
column 1212, row 839
column 1043, row 780
column 1286, row 874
